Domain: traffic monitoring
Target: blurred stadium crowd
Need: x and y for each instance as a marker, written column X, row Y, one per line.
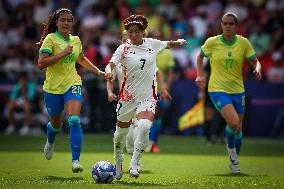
column 99, row 25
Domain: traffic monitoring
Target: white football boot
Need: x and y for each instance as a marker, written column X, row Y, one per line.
column 133, row 170
column 234, row 161
column 48, row 150
column 76, row 166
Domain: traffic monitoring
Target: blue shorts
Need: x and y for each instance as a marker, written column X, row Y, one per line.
column 55, row 102
column 221, row 99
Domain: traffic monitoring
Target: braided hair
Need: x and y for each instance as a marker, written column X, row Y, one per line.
column 51, row 27
column 138, row 20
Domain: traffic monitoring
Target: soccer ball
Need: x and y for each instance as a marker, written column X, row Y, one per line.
column 103, row 172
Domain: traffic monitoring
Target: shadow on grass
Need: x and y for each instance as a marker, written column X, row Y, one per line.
column 63, row 179
column 236, row 175
column 142, row 172
column 129, row 183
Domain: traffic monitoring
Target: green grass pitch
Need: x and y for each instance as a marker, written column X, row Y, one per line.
column 185, row 162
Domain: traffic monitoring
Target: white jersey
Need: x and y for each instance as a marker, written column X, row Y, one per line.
column 138, row 68
column 117, row 72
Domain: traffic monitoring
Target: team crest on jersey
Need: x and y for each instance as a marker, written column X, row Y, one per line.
column 69, row 59
column 219, row 103
column 150, row 50
column 229, row 54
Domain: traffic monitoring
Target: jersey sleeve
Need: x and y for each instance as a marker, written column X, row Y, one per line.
column 158, row 45
column 206, row 48
column 117, row 55
column 249, row 53
column 47, row 45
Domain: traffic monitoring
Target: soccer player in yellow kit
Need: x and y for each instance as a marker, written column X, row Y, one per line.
column 62, row 87
column 227, row 53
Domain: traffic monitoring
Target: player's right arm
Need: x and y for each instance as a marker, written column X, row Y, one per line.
column 45, row 59
column 109, row 86
column 206, row 51
column 110, row 95
column 108, row 71
column 200, row 78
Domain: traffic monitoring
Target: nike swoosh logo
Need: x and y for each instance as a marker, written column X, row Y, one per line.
column 232, row 159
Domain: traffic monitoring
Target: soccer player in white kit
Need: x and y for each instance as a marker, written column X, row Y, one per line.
column 137, row 95
column 133, row 128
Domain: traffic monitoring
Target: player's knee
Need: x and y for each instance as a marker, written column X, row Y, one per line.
column 144, row 126
column 235, row 125
column 74, row 120
column 120, row 134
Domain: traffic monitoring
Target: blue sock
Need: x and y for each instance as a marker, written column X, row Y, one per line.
column 230, row 136
column 76, row 136
column 238, row 142
column 51, row 132
column 155, row 130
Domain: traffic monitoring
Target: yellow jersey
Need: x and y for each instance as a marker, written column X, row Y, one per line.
column 61, row 75
column 226, row 61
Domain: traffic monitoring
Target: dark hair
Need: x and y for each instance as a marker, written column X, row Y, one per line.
column 232, row 15
column 138, row 20
column 51, row 27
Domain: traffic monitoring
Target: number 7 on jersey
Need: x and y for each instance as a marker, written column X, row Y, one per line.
column 143, row 63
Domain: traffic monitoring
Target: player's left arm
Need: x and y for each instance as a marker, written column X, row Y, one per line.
column 86, row 63
column 251, row 57
column 256, row 68
column 178, row 43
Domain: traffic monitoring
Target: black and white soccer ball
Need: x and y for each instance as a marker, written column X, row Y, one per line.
column 103, row 172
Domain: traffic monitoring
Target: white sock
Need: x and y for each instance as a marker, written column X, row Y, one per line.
column 119, row 138
column 142, row 139
column 130, row 140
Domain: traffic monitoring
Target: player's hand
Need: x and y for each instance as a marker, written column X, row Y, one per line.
column 182, row 42
column 257, row 73
column 108, row 76
column 68, row 50
column 101, row 74
column 111, row 97
column 165, row 95
column 200, row 82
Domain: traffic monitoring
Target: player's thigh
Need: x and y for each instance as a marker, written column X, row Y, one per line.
column 224, row 104
column 230, row 115
column 73, row 107
column 146, row 109
column 73, row 100
column 238, row 100
column 53, row 103
column 125, row 112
